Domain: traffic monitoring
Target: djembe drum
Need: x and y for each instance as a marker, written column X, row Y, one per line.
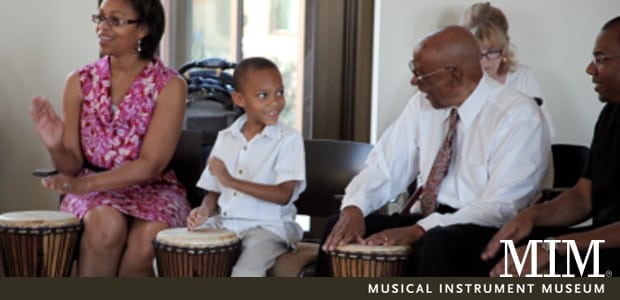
column 199, row 253
column 356, row 260
column 38, row 243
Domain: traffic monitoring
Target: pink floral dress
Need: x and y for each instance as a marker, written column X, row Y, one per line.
column 112, row 136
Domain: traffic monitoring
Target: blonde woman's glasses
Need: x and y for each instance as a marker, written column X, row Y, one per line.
column 492, row 54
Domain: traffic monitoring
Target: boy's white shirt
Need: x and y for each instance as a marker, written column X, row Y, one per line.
column 273, row 156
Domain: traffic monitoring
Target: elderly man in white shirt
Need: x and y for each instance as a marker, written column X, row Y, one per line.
column 499, row 157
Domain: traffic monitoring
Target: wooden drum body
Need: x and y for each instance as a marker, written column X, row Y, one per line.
column 38, row 243
column 355, row 260
column 198, row 253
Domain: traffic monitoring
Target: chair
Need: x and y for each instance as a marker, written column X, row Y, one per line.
column 330, row 165
column 188, row 163
column 569, row 162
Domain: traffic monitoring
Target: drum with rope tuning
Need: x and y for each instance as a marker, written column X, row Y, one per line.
column 200, row 253
column 38, row 243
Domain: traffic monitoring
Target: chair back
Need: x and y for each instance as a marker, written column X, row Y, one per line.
column 569, row 162
column 188, row 163
column 330, row 166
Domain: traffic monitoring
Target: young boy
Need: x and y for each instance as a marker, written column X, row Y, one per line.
column 255, row 172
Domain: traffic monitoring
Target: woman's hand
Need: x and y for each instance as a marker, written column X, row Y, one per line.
column 48, row 124
column 64, row 184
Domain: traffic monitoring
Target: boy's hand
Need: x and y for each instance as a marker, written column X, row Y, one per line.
column 218, row 169
column 197, row 216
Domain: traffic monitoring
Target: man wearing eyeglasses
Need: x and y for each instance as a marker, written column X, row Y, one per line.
column 596, row 195
column 477, row 148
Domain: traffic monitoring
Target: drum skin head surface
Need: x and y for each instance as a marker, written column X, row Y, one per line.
column 374, row 249
column 37, row 218
column 205, row 237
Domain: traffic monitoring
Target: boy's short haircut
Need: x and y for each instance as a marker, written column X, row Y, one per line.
column 251, row 63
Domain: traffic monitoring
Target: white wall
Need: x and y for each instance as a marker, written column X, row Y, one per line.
column 554, row 37
column 42, row 41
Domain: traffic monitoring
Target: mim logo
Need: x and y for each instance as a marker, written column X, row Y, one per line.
column 571, row 251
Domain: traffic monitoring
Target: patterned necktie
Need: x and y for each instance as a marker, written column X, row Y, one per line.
column 428, row 194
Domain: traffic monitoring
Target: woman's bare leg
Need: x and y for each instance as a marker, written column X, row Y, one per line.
column 102, row 243
column 138, row 256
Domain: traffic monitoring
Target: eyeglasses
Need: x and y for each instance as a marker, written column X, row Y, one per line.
column 599, row 59
column 421, row 78
column 112, row 21
column 492, row 54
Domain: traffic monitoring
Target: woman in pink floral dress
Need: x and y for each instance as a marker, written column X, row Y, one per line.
column 122, row 120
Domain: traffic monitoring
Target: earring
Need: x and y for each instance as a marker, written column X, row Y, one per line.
column 139, row 46
column 504, row 59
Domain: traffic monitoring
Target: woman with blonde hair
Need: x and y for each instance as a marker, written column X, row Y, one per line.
column 490, row 27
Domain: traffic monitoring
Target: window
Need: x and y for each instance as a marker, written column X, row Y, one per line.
column 233, row 30
column 283, row 18
column 211, row 34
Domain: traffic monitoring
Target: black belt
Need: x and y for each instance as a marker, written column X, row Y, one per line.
column 445, row 209
column 442, row 209
column 90, row 166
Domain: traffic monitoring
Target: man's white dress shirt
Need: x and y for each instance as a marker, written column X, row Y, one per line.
column 500, row 156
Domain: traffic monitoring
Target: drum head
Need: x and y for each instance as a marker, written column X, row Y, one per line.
column 37, row 218
column 200, row 238
column 374, row 249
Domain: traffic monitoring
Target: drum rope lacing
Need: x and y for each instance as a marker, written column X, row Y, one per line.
column 197, row 251
column 374, row 256
column 41, row 230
